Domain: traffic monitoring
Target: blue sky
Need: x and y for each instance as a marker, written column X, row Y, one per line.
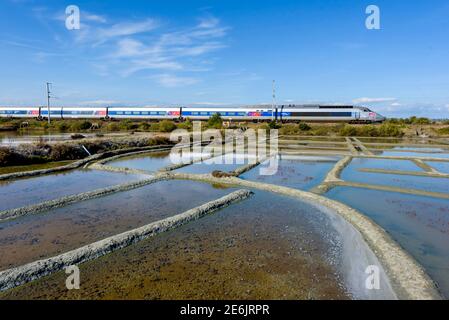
column 227, row 52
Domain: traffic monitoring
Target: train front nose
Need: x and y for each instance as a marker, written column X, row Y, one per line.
column 380, row 118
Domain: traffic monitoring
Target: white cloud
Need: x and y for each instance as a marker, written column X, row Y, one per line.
column 209, row 22
column 94, row 35
column 209, row 103
column 92, row 17
column 171, row 51
column 171, row 81
column 373, row 100
column 126, row 29
column 129, row 48
column 99, row 102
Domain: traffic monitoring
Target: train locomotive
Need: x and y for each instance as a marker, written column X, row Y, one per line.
column 293, row 113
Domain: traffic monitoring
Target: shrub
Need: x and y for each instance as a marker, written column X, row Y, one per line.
column 384, row 130
column 273, row 125
column 81, row 125
column 62, row 126
column 145, row 126
column 368, row 131
column 159, row 141
column 7, row 156
column 187, row 125
column 289, row 130
column 421, row 121
column 390, row 130
column 166, row 126
column 215, row 122
column 154, row 127
column 304, row 127
column 66, row 152
column 444, row 131
column 348, row 131
column 112, row 126
column 128, row 125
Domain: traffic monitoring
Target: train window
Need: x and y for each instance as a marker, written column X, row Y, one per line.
column 321, row 114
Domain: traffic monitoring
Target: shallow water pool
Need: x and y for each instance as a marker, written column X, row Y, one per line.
column 414, row 154
column 23, row 192
column 34, row 237
column 150, row 161
column 220, row 163
column 250, row 250
column 294, row 171
column 352, row 173
column 442, row 167
column 385, row 164
column 419, row 224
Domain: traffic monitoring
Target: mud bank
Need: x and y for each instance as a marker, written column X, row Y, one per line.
column 391, row 189
column 333, row 176
column 104, row 167
column 79, row 163
column 407, row 278
column 32, row 271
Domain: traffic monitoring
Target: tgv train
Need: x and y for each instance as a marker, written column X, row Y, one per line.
column 279, row 113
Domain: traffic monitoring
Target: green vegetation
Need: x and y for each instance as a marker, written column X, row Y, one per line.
column 384, row 130
column 273, row 125
column 167, row 126
column 187, row 125
column 411, row 120
column 390, row 128
column 44, row 153
column 113, row 127
column 310, row 130
column 127, row 125
column 344, row 130
column 13, row 157
column 304, row 127
column 215, row 122
column 443, row 131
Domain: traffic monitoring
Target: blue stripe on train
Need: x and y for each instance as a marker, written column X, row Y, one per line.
column 13, row 112
column 225, row 114
column 137, row 113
